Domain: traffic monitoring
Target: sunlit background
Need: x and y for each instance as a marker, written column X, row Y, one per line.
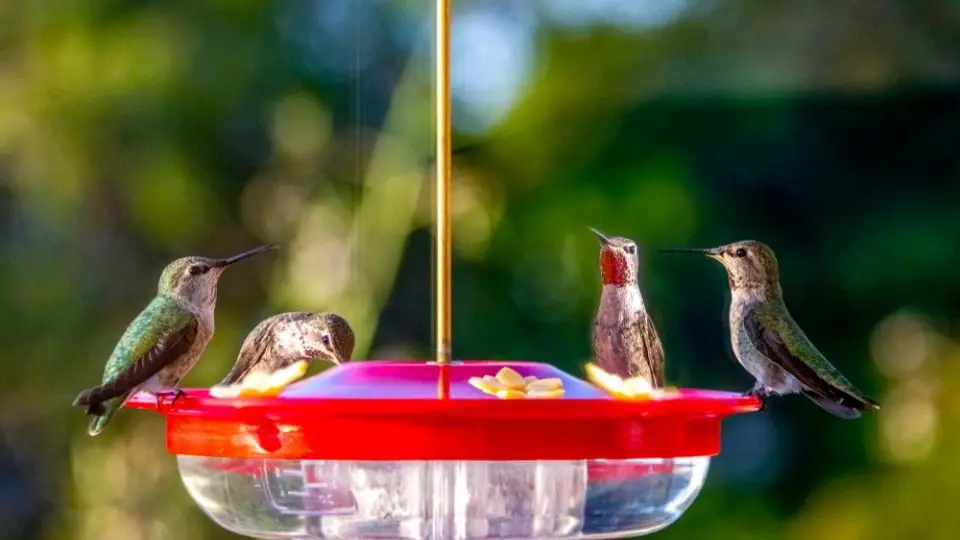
column 133, row 133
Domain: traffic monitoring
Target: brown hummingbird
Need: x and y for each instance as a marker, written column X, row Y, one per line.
column 285, row 339
column 165, row 341
column 766, row 340
column 625, row 341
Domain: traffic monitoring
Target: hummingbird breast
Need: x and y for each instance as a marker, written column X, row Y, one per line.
column 624, row 340
column 620, row 305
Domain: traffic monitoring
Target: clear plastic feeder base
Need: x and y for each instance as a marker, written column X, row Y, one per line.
column 442, row 500
column 412, row 450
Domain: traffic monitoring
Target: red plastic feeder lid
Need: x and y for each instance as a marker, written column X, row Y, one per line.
column 385, row 410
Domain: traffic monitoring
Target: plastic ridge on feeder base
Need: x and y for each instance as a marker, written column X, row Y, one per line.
column 413, row 450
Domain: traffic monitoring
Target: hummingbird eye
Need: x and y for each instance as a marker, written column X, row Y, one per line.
column 326, row 339
column 197, row 269
column 741, row 252
column 630, row 248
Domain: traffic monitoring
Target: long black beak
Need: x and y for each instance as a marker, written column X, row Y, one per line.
column 221, row 263
column 713, row 253
column 603, row 239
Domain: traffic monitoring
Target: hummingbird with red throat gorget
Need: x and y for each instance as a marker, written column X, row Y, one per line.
column 625, row 341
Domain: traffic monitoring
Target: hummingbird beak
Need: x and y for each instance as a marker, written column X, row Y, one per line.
column 223, row 263
column 603, row 239
column 334, row 356
column 714, row 253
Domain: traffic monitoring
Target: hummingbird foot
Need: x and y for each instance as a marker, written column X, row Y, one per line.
column 760, row 392
column 177, row 393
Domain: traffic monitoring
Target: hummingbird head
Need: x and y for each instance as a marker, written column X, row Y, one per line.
column 619, row 259
column 329, row 337
column 194, row 279
column 749, row 264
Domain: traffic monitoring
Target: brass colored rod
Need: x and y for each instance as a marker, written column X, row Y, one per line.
column 442, row 245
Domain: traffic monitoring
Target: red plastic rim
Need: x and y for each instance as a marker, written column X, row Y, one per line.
column 384, row 410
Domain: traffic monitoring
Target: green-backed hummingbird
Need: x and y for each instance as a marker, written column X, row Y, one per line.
column 165, row 341
column 625, row 341
column 767, row 341
column 285, row 339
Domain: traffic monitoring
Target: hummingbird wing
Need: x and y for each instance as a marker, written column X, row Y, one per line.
column 651, row 349
column 162, row 332
column 774, row 333
column 630, row 350
column 254, row 350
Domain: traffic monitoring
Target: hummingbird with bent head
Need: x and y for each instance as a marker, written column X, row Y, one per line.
column 285, row 339
column 166, row 339
column 625, row 341
column 766, row 340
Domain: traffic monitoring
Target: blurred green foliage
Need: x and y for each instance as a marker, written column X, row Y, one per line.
column 135, row 132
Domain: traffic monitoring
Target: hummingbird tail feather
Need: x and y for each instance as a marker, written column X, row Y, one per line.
column 855, row 399
column 859, row 399
column 831, row 406
column 88, row 399
column 83, row 398
column 107, row 410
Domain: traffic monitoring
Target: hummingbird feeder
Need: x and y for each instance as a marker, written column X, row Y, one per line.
column 415, row 450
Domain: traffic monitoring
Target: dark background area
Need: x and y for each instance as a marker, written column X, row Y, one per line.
column 133, row 133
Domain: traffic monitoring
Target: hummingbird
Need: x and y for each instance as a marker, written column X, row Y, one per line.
column 766, row 340
column 285, row 339
column 625, row 341
column 165, row 340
